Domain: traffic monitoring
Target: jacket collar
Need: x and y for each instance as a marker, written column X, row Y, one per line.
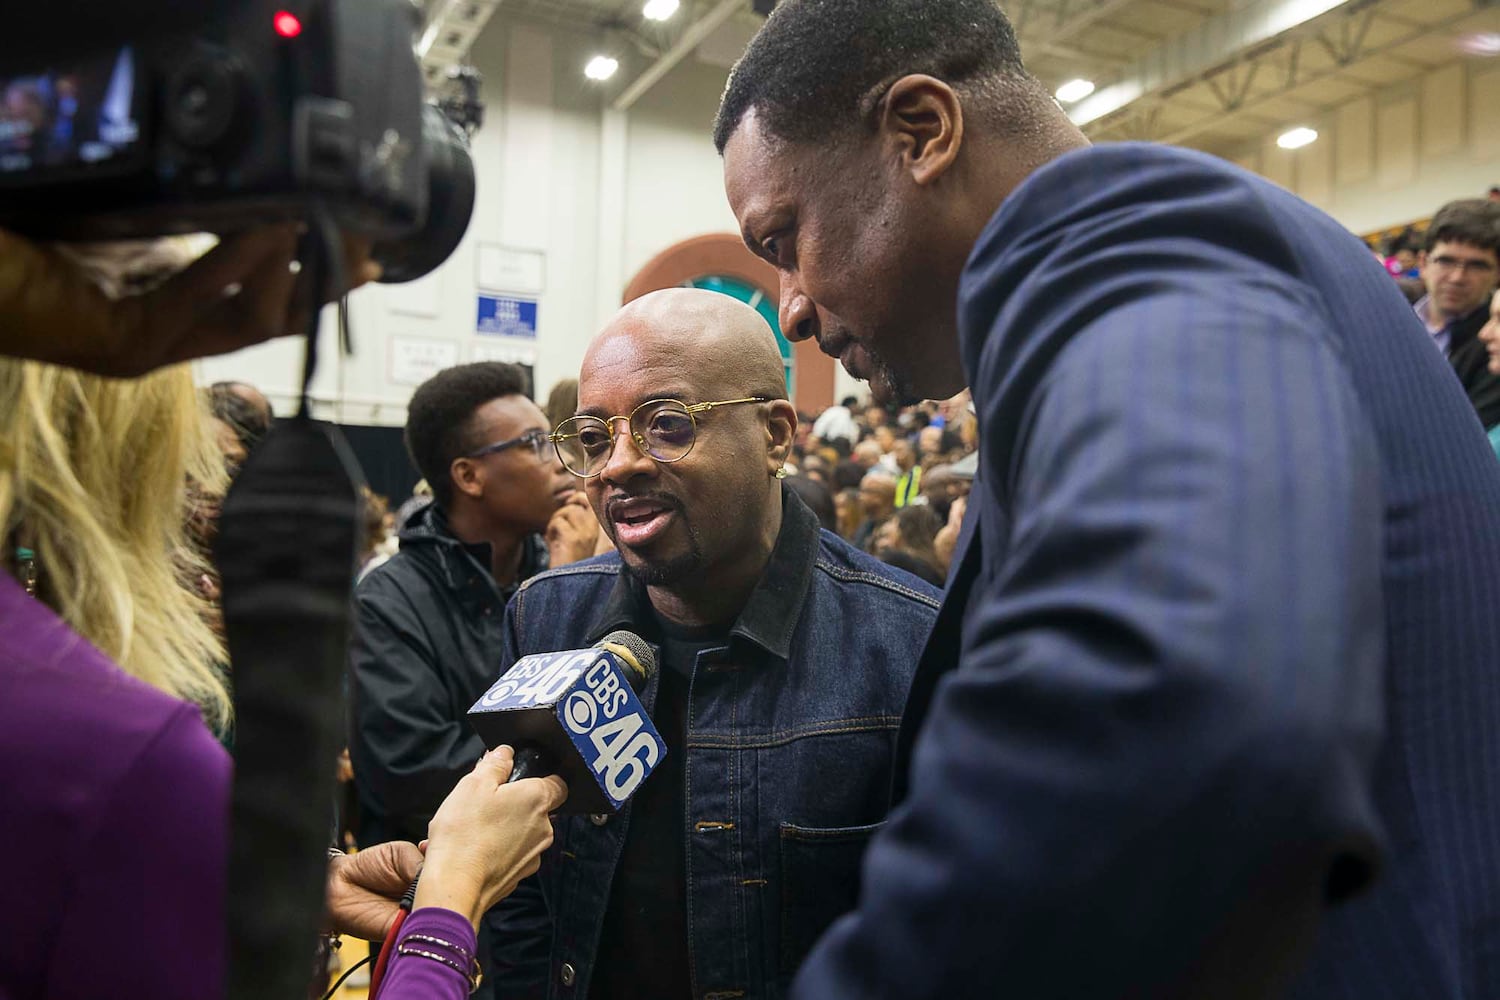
column 459, row 560
column 1459, row 330
column 769, row 618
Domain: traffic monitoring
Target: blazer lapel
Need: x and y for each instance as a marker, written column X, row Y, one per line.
column 941, row 652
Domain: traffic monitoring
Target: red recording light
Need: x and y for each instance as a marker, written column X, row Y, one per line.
column 287, row 24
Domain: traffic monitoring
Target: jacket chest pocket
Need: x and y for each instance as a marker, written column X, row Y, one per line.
column 819, row 883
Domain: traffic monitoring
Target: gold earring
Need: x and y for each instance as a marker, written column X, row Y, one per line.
column 780, row 473
column 26, row 570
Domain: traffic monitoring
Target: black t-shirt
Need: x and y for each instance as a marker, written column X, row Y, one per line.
column 643, row 947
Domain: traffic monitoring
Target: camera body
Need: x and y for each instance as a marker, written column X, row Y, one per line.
column 141, row 118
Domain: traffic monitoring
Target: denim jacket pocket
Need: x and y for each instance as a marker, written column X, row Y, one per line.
column 819, row 883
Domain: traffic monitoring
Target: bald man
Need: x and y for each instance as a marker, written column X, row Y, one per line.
column 786, row 656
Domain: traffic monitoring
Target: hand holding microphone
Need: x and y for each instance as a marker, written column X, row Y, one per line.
column 576, row 714
column 487, row 836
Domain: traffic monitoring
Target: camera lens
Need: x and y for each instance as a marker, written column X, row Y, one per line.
column 450, row 204
column 203, row 99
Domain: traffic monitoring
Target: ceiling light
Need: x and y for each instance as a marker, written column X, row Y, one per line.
column 1075, row 90
column 1296, row 138
column 1481, row 43
column 601, row 68
column 660, row 10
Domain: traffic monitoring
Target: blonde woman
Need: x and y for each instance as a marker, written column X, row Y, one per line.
column 116, row 792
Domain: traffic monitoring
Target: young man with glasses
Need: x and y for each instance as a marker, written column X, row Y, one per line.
column 786, row 657
column 1461, row 270
column 427, row 631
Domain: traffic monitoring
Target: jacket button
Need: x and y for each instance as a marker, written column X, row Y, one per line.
column 569, row 974
column 599, row 819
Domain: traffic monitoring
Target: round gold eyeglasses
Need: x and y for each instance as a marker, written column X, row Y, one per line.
column 663, row 429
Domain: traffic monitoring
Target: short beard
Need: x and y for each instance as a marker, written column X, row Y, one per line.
column 894, row 387
column 670, row 572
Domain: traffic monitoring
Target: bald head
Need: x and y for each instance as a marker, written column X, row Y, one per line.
column 662, row 490
column 698, row 342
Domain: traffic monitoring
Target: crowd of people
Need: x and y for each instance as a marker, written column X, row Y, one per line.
column 1159, row 661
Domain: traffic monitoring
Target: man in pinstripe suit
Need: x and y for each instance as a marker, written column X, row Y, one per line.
column 1212, row 708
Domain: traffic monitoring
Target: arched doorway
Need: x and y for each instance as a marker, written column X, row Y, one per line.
column 758, row 300
column 721, row 262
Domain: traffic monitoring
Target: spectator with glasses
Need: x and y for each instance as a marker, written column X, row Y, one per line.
column 427, row 627
column 1461, row 270
column 785, row 657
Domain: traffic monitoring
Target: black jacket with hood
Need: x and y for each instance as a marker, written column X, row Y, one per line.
column 426, row 645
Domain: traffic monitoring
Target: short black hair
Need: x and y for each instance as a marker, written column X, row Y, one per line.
column 249, row 422
column 816, row 66
column 847, row 475
column 439, row 415
column 1470, row 220
column 917, row 567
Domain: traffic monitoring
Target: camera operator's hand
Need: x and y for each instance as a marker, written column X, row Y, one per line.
column 365, row 888
column 487, row 836
column 240, row 293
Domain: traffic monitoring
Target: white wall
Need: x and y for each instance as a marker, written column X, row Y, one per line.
column 675, row 182
column 1398, row 154
column 597, row 192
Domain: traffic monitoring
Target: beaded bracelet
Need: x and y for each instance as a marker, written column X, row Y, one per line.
column 475, row 977
column 440, row 943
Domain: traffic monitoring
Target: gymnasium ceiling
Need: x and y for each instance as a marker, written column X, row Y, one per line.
column 1211, row 74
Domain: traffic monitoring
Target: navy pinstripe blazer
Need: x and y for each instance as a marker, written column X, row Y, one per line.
column 1219, row 662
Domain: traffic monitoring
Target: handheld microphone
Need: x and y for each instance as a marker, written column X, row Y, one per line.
column 576, row 714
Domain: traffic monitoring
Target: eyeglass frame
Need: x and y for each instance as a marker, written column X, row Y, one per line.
column 537, row 438
column 692, row 412
column 1479, row 268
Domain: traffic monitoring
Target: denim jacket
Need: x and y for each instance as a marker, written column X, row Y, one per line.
column 790, row 742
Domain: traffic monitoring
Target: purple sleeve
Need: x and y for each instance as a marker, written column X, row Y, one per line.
column 147, row 906
column 413, row 977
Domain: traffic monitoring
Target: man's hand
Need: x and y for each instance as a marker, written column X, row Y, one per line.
column 365, row 888
column 947, row 536
column 240, row 293
column 1491, row 334
column 573, row 533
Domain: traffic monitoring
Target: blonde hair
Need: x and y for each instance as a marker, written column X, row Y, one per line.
column 94, row 478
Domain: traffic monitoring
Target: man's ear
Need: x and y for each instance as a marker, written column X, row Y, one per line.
column 781, row 432
column 922, row 119
column 467, row 476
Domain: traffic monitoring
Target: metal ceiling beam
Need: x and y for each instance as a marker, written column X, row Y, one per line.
column 1082, row 55
column 1181, row 5
column 1202, row 50
column 1067, row 27
column 1287, row 86
column 450, row 34
column 690, row 39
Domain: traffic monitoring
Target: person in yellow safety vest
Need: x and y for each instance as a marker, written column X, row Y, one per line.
column 909, row 485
